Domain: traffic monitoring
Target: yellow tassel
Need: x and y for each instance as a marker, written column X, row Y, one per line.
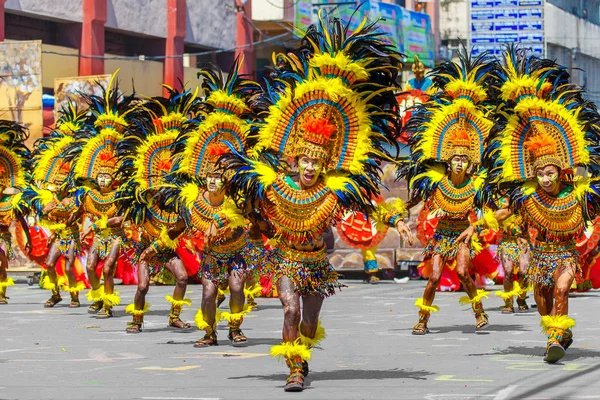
column 488, row 220
column 556, row 321
column 130, row 309
column 167, row 241
column 7, row 283
column 516, row 291
column 480, row 295
column 476, row 244
column 203, row 325
column 419, row 304
column 266, row 175
column 47, row 285
column 112, row 299
column 314, row 341
column 253, row 291
column 95, row 294
column 75, row 289
column 236, row 317
column 190, row 193
column 180, row 303
column 289, row 350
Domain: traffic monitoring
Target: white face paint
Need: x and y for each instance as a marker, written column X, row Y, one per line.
column 548, row 178
column 214, row 182
column 459, row 164
column 309, row 169
column 104, row 180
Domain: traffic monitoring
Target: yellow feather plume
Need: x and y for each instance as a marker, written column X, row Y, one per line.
column 203, row 325
column 190, row 193
column 47, row 285
column 102, row 222
column 236, row 317
column 435, row 173
column 556, row 321
column 130, row 309
column 95, row 294
column 480, row 295
column 253, row 291
column 45, row 196
column 419, row 304
column 8, row 282
column 112, row 299
column 516, row 291
column 178, row 303
column 75, row 289
column 167, row 241
column 488, row 220
column 476, row 245
column 314, row 341
column 289, row 350
column 232, row 214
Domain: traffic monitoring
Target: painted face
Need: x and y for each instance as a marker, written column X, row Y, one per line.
column 548, row 178
column 104, row 180
column 309, row 169
column 214, row 182
column 459, row 164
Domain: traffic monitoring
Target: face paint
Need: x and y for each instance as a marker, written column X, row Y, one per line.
column 309, row 169
column 459, row 164
column 548, row 178
column 214, row 182
column 103, row 180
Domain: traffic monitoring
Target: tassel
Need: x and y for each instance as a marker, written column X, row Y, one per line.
column 130, row 309
column 289, row 350
column 314, row 341
column 95, row 295
column 419, row 304
column 202, row 324
column 236, row 317
column 7, row 283
column 556, row 321
column 480, row 295
column 180, row 303
column 516, row 291
column 75, row 289
column 47, row 285
column 253, row 291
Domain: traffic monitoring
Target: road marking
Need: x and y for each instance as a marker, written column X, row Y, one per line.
column 217, row 354
column 504, row 393
column 10, row 351
column 454, row 396
column 453, row 379
column 184, row 368
column 181, row 398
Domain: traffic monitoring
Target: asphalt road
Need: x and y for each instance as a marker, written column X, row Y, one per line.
column 369, row 353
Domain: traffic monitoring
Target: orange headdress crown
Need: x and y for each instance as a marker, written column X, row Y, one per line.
column 214, row 151
column 418, row 66
column 106, row 162
column 460, row 141
column 542, row 148
column 316, row 133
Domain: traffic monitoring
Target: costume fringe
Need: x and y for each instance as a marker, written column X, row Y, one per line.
column 236, row 317
column 202, row 324
column 314, row 341
column 419, row 304
column 488, row 221
column 476, row 245
column 556, row 321
column 7, row 283
column 74, row 289
column 111, row 299
column 167, row 241
column 47, row 285
column 130, row 309
column 516, row 291
column 223, row 292
column 480, row 295
column 253, row 291
column 289, row 350
column 95, row 294
column 181, row 303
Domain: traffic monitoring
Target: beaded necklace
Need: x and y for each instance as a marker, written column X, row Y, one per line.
column 98, row 204
column 454, row 202
column 6, row 211
column 556, row 218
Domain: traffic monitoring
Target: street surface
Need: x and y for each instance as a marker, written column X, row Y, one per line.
column 369, row 352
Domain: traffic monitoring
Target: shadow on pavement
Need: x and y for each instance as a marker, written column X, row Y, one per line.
column 347, row 374
column 434, row 330
column 573, row 353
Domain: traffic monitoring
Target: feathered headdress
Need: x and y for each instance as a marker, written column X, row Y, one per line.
column 544, row 122
column 456, row 121
column 14, row 155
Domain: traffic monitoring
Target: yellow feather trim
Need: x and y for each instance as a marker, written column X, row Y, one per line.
column 341, row 61
column 44, row 195
column 488, row 221
column 419, row 304
column 8, row 282
column 219, row 96
column 478, row 297
column 48, row 157
column 190, row 193
column 314, row 341
column 223, row 292
column 475, row 90
column 102, row 223
column 15, row 200
column 516, row 291
column 184, row 302
column 112, row 299
column 266, row 175
column 289, row 350
column 79, row 286
column 335, row 180
column 130, row 309
column 236, row 317
column 253, row 291
column 556, row 321
column 203, row 325
column 95, row 294
column 435, row 173
column 50, row 226
column 47, row 285
column 582, row 187
column 476, row 245
column 232, row 214
column 167, row 241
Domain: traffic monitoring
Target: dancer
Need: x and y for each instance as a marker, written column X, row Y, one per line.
column 335, row 134
column 147, row 162
column 14, row 161
column 447, row 139
column 95, row 165
column 545, row 131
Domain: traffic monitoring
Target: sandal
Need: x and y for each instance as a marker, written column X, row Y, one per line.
column 554, row 352
column 295, row 382
column 105, row 313
column 522, row 304
column 178, row 323
column 95, row 307
column 133, row 327
column 207, row 341
column 481, row 320
column 420, row 328
column 237, row 337
column 305, row 370
column 567, row 339
column 74, row 304
column 52, row 301
column 253, row 305
column 3, row 300
column 509, row 307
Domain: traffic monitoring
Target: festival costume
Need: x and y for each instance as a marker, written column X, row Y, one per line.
column 317, row 111
column 93, row 153
column 545, row 121
column 147, row 163
column 453, row 122
column 222, row 123
column 50, row 172
column 14, row 162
